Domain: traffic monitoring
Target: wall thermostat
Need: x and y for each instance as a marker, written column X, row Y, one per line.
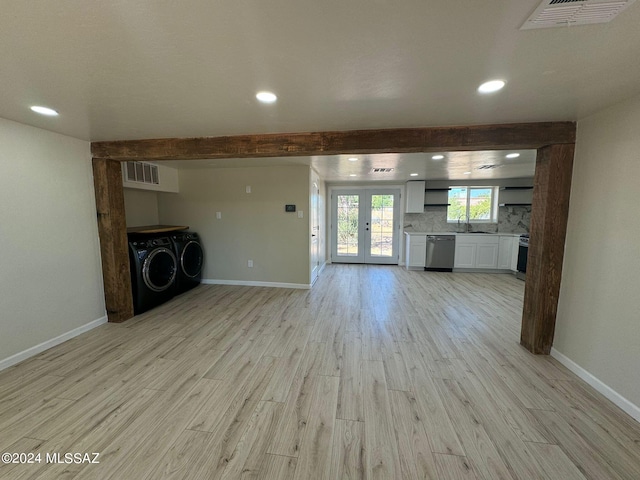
column 289, row 208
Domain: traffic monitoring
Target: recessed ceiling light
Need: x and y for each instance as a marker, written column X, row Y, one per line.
column 513, row 155
column 44, row 111
column 266, row 97
column 491, row 86
column 467, row 173
column 352, row 175
column 353, row 159
column 413, row 174
column 438, row 157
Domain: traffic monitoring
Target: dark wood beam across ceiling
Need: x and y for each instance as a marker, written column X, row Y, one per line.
column 399, row 140
column 555, row 142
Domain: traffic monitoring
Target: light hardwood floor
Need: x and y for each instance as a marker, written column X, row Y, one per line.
column 375, row 373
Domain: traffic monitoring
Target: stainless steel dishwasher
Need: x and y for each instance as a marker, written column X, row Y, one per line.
column 441, row 251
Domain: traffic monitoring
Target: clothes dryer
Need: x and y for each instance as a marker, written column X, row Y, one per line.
column 154, row 268
column 190, row 257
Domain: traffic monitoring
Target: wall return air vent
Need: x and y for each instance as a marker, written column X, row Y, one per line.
column 567, row 13
column 141, row 172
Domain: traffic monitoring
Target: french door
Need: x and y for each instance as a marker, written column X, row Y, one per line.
column 365, row 225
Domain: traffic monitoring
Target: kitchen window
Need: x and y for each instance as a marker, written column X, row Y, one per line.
column 472, row 204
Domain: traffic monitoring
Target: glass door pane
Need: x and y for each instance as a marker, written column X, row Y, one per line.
column 347, row 220
column 348, row 224
column 382, row 226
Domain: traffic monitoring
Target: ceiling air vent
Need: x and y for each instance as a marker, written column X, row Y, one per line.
column 567, row 13
column 382, row 170
column 141, row 172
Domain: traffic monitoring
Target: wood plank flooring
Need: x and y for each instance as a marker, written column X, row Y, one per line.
column 375, row 373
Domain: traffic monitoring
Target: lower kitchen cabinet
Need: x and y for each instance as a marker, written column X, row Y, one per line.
column 515, row 249
column 416, row 251
column 504, row 255
column 465, row 255
column 487, row 256
column 480, row 251
column 473, row 251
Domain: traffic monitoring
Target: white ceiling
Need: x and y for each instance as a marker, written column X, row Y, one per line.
column 339, row 169
column 122, row 69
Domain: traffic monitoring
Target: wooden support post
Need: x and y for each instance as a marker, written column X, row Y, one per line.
column 552, row 186
column 107, row 178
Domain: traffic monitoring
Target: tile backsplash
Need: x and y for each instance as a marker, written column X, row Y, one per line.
column 513, row 219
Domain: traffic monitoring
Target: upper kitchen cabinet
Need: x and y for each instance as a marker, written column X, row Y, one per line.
column 415, row 197
column 149, row 176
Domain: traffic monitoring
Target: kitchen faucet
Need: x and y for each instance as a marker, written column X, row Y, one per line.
column 467, row 224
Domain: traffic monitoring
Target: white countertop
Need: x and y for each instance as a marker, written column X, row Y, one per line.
column 430, row 233
column 463, row 233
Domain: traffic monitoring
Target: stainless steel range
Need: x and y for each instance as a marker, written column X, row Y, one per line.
column 523, row 253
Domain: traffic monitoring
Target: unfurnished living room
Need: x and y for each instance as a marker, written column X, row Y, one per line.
column 320, row 240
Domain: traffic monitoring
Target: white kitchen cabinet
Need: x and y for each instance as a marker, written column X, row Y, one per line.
column 477, row 251
column 416, row 251
column 415, row 197
column 487, row 254
column 504, row 254
column 515, row 249
column 465, row 255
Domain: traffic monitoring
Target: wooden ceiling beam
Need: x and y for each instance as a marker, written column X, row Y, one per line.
column 400, row 140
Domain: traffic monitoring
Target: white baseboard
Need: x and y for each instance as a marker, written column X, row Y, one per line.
column 322, row 267
column 30, row 352
column 629, row 407
column 250, row 283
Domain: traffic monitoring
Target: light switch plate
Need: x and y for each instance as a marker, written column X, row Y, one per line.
column 247, row 189
column 218, row 215
column 300, row 214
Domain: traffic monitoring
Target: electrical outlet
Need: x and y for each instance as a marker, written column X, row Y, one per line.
column 250, row 263
column 218, row 215
column 247, row 189
column 300, row 214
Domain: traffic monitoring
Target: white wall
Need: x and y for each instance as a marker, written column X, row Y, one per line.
column 141, row 207
column 598, row 322
column 323, row 206
column 253, row 225
column 51, row 280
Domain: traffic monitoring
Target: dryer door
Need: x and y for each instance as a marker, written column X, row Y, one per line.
column 191, row 259
column 159, row 269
